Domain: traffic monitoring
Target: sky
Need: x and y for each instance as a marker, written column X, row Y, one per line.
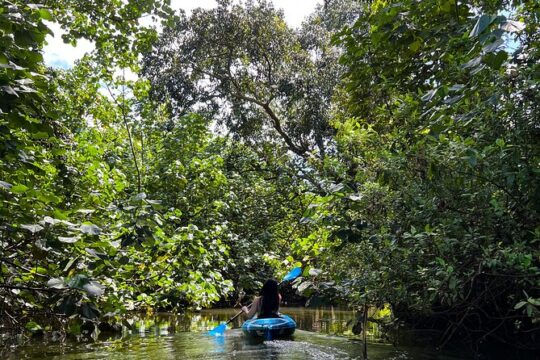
column 58, row 54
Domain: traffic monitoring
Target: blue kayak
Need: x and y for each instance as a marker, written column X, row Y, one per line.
column 269, row 328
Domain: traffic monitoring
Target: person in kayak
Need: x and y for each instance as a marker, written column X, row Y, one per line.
column 267, row 304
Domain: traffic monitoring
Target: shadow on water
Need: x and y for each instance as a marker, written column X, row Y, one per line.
column 167, row 336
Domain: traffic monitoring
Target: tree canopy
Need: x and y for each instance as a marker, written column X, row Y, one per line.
column 389, row 148
column 243, row 66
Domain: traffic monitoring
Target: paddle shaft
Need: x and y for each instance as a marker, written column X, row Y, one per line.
column 240, row 313
column 237, row 315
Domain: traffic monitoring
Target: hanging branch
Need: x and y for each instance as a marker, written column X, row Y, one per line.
column 125, row 121
column 143, row 166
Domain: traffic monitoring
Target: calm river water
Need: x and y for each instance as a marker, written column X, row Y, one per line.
column 321, row 334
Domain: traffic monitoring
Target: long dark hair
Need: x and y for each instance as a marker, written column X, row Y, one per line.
column 270, row 297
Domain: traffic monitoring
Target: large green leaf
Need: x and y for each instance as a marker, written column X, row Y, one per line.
column 33, row 228
column 90, row 229
column 495, row 60
column 56, row 283
column 481, row 24
column 93, row 288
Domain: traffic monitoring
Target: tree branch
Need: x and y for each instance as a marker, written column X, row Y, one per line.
column 131, row 146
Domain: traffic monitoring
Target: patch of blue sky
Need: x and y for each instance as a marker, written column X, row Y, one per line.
column 511, row 41
column 59, row 63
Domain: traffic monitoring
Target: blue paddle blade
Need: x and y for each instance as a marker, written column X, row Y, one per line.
column 293, row 274
column 218, row 330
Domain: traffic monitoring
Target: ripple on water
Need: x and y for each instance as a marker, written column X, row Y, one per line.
column 305, row 350
column 188, row 340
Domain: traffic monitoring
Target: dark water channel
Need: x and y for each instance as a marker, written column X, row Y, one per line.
column 321, row 334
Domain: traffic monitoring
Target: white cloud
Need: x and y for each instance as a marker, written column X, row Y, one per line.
column 61, row 55
column 58, row 54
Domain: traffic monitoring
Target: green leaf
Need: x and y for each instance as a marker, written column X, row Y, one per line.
column 534, row 301
column 519, row 305
column 40, row 135
column 70, row 263
column 481, row 24
column 9, row 90
column 93, row 288
column 139, row 197
column 336, row 188
column 471, row 157
column 95, row 253
column 495, row 61
column 493, row 46
column 56, row 283
column 33, row 326
column 304, row 286
column 85, row 211
column 67, row 306
column 456, row 87
column 78, row 281
column 33, row 228
column 45, row 14
column 74, row 328
column 62, row 215
column 89, row 311
column 315, row 272
column 415, row 45
column 68, row 240
column 90, row 229
column 50, row 220
column 429, row 95
column 19, row 189
column 472, row 63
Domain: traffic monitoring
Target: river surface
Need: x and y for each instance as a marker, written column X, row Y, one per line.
column 321, row 334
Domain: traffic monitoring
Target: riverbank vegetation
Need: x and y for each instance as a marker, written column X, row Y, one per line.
column 389, row 148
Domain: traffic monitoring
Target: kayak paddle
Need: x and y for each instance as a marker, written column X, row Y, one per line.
column 220, row 329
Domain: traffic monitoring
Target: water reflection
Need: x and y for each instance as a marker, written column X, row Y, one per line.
column 170, row 336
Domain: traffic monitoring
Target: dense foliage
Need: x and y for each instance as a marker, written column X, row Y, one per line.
column 80, row 237
column 389, row 147
column 438, row 214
